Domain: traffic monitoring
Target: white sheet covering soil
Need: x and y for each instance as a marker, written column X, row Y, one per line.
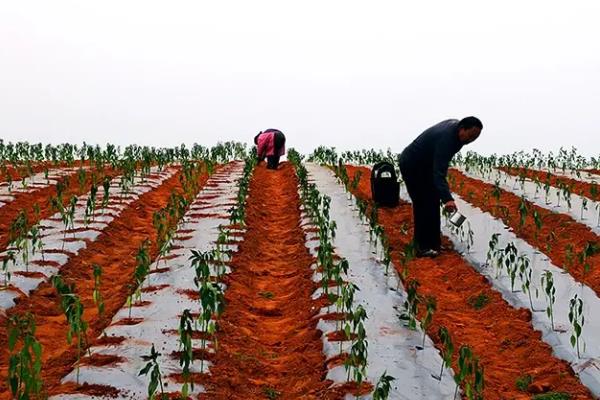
column 160, row 318
column 484, row 225
column 512, row 184
column 392, row 347
column 64, row 246
column 33, row 183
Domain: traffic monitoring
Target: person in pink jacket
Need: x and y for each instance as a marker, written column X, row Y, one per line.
column 270, row 144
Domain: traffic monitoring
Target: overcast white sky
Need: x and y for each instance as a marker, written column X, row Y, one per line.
column 345, row 73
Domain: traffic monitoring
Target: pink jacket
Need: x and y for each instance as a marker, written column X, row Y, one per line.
column 266, row 145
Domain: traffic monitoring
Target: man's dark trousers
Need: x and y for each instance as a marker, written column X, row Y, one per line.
column 426, row 207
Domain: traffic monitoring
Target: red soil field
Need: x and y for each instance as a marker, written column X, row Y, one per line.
column 557, row 233
column 19, row 172
column 41, row 197
column 578, row 187
column 114, row 250
column 500, row 335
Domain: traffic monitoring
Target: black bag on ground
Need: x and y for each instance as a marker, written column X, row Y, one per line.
column 385, row 189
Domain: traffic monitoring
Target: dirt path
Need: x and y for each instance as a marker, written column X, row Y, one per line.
column 268, row 345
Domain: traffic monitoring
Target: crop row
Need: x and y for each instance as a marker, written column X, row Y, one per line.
column 465, row 284
column 39, row 250
column 569, row 244
column 399, row 352
column 171, row 310
column 28, row 157
column 82, row 278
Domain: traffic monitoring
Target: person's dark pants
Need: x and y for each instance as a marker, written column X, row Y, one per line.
column 279, row 142
column 426, row 208
column 272, row 162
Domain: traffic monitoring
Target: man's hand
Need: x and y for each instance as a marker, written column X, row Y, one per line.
column 450, row 207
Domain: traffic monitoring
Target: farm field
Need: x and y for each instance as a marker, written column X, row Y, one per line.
column 197, row 273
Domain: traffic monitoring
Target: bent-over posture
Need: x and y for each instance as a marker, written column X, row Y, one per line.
column 270, row 144
column 424, row 166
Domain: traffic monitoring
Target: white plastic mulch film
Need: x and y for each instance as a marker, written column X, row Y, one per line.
column 157, row 321
column 59, row 243
column 482, row 226
column 392, row 347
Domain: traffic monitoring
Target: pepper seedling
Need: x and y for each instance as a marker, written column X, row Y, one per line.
column 106, row 194
column 73, row 310
column 431, row 306
column 186, row 357
column 18, row 234
column 447, row 350
column 142, row 268
column 577, row 320
column 470, row 374
column 411, row 304
column 525, row 273
column 344, row 305
column 24, row 365
column 9, row 257
column 357, row 359
column 212, row 303
column 523, row 212
column 383, row 387
column 589, row 250
column 153, row 368
column 97, row 294
column 465, row 367
column 90, row 205
column 547, row 281
column 584, row 206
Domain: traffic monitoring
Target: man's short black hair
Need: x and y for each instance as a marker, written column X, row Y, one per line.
column 470, row 122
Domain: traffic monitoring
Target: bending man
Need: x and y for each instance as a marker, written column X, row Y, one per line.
column 424, row 166
column 270, row 144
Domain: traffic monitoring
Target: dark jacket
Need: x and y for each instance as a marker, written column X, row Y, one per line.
column 431, row 153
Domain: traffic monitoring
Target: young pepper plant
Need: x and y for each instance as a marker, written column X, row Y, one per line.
column 153, row 368
column 383, row 387
column 447, row 350
column 577, row 320
column 547, row 281
column 430, row 306
column 142, row 269
column 186, row 357
column 73, row 310
column 97, row 294
column 357, row 359
column 411, row 304
column 24, row 365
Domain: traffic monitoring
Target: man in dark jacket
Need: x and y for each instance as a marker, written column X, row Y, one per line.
column 424, row 166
